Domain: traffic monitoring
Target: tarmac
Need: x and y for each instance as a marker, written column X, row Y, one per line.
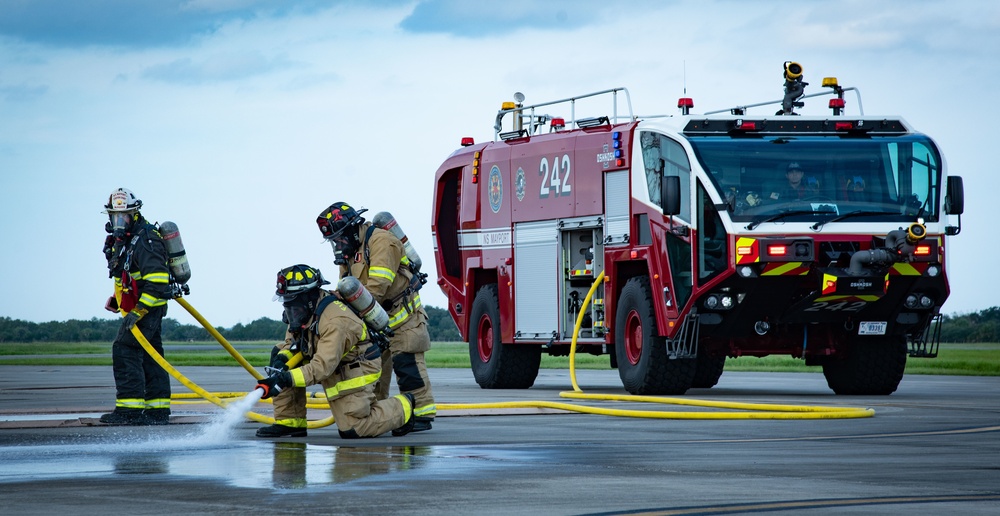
column 931, row 448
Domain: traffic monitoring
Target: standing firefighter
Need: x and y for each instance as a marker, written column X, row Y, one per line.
column 340, row 355
column 378, row 259
column 137, row 260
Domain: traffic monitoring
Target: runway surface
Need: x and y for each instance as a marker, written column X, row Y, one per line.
column 933, row 447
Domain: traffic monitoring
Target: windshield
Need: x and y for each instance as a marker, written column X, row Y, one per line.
column 812, row 178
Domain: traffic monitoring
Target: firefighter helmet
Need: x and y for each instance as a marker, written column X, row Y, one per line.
column 123, row 211
column 122, row 199
column 296, row 280
column 334, row 221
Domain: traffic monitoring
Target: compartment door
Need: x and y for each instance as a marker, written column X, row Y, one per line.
column 536, row 280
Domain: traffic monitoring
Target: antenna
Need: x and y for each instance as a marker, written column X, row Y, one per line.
column 685, row 69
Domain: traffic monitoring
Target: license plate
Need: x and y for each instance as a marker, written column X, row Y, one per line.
column 872, row 328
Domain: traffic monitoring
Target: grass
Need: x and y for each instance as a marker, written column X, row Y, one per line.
column 953, row 359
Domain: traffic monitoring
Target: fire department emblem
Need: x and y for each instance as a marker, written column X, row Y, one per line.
column 495, row 189
column 519, row 184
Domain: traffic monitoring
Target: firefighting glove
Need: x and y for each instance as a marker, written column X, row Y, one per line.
column 133, row 317
column 272, row 385
column 112, row 304
column 279, row 359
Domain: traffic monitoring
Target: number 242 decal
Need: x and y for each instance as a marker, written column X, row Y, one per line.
column 555, row 180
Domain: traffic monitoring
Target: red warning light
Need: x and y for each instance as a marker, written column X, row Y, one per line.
column 777, row 250
column 836, row 103
column 467, row 141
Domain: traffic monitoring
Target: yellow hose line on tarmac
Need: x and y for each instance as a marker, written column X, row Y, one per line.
column 260, row 418
column 756, row 410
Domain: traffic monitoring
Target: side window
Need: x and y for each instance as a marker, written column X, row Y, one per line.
column 662, row 156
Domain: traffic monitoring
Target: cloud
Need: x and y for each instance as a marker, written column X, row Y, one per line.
column 220, row 67
column 135, row 23
column 481, row 19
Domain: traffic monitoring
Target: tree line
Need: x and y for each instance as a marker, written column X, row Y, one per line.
column 440, row 324
column 982, row 326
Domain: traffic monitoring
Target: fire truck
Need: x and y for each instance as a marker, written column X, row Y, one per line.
column 714, row 235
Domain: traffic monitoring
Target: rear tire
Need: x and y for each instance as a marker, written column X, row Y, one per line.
column 873, row 366
column 496, row 365
column 641, row 354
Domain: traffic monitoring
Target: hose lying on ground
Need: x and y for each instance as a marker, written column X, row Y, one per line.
column 746, row 410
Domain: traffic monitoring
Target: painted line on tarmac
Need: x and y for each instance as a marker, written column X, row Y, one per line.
column 974, row 430
column 806, row 504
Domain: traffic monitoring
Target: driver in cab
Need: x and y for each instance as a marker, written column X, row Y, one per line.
column 794, row 187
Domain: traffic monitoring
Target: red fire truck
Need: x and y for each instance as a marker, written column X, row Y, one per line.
column 722, row 234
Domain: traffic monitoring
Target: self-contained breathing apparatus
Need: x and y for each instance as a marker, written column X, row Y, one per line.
column 360, row 301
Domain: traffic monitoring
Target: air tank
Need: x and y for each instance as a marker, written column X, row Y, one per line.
column 176, row 256
column 362, row 301
column 386, row 221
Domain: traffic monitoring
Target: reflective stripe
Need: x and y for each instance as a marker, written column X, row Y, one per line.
column 353, row 383
column 298, row 379
column 151, row 301
column 407, row 412
column 425, row 410
column 157, row 277
column 158, row 403
column 382, row 272
column 404, row 312
column 132, row 403
column 294, row 422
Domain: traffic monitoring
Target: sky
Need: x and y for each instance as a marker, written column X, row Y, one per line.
column 241, row 120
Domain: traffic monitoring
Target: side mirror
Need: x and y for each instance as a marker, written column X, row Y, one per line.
column 670, row 194
column 954, row 201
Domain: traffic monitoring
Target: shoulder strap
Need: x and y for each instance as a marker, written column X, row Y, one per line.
column 368, row 236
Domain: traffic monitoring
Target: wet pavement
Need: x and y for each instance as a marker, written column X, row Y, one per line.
column 931, row 448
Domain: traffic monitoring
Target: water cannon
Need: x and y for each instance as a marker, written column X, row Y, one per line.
column 794, row 88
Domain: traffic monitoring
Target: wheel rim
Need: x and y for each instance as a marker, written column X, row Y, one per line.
column 484, row 339
column 633, row 337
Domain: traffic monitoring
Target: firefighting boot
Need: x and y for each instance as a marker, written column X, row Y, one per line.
column 124, row 417
column 421, row 423
column 157, row 416
column 277, row 430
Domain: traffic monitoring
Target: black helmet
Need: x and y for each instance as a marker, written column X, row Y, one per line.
column 339, row 223
column 296, row 280
column 335, row 220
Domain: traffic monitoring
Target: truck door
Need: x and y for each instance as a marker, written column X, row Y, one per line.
column 662, row 156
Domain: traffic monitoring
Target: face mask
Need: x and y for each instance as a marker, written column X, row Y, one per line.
column 297, row 313
column 120, row 223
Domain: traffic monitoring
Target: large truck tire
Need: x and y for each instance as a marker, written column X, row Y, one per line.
column 708, row 370
column 641, row 354
column 873, row 366
column 496, row 365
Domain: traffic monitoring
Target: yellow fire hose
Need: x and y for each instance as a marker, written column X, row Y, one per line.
column 751, row 410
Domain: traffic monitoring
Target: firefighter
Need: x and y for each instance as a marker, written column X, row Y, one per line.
column 340, row 356
column 377, row 258
column 137, row 260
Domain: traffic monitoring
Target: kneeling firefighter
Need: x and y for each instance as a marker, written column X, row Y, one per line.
column 341, row 354
column 388, row 267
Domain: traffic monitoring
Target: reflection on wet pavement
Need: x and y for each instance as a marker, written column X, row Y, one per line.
column 250, row 464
